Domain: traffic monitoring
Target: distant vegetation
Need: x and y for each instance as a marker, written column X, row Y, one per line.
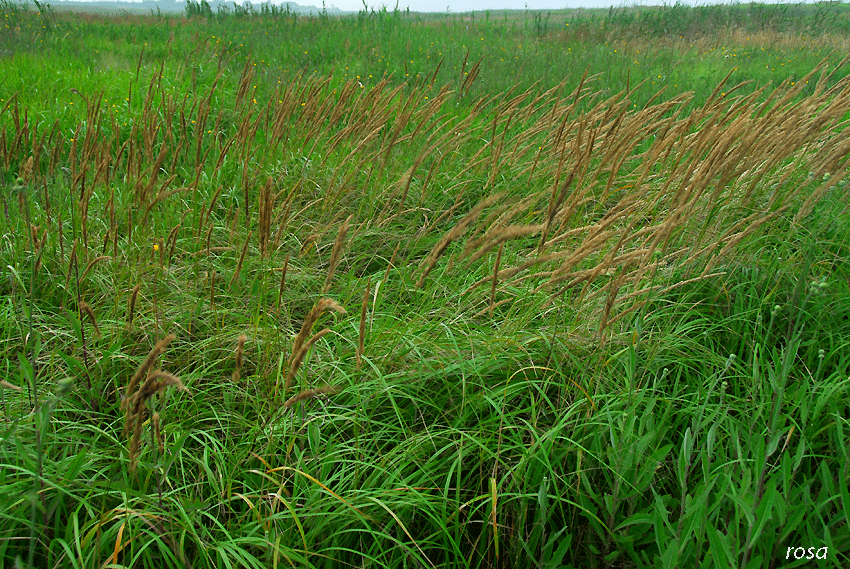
column 555, row 289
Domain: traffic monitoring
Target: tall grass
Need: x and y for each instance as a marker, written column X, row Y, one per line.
column 601, row 324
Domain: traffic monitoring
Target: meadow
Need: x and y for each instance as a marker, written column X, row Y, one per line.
column 558, row 289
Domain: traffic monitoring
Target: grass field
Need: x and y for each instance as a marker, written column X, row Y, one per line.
column 514, row 289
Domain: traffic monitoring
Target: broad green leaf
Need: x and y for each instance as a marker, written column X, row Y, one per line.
column 670, row 557
column 774, row 442
column 687, row 526
column 712, row 434
column 661, row 522
column 764, row 512
column 650, row 466
column 643, row 518
column 75, row 464
column 543, row 497
column 797, row 515
column 745, row 506
column 556, row 558
column 719, row 546
column 787, row 472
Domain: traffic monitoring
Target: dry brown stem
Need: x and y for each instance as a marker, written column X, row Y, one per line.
column 335, row 253
column 240, row 351
column 308, row 394
column 299, row 350
column 139, row 392
column 241, row 259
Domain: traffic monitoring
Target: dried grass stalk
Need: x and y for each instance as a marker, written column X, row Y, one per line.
column 171, row 240
column 209, row 238
column 390, row 264
column 241, row 259
column 139, row 392
column 141, row 372
column 8, row 385
column 72, row 264
column 298, row 345
column 156, row 382
column 335, row 252
column 93, row 262
column 40, row 251
column 240, row 351
column 282, row 282
column 308, row 394
column 266, row 206
column 312, row 239
column 131, row 305
column 86, row 310
column 455, row 232
column 298, row 358
column 157, row 432
column 495, row 278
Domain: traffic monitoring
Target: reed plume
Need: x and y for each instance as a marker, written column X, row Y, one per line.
column 240, row 351
column 311, row 240
column 142, row 371
column 265, row 211
column 139, row 392
column 495, row 278
column 458, row 230
column 92, row 263
column 171, row 241
column 157, row 432
column 26, row 171
column 611, row 188
column 308, row 394
column 161, row 196
column 86, row 310
column 301, row 345
column 241, row 259
column 282, row 282
column 131, row 305
column 335, row 252
column 8, row 385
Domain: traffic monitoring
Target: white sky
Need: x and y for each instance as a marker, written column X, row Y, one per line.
column 456, row 6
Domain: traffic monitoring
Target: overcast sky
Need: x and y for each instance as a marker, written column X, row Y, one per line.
column 482, row 5
column 457, row 6
column 469, row 5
